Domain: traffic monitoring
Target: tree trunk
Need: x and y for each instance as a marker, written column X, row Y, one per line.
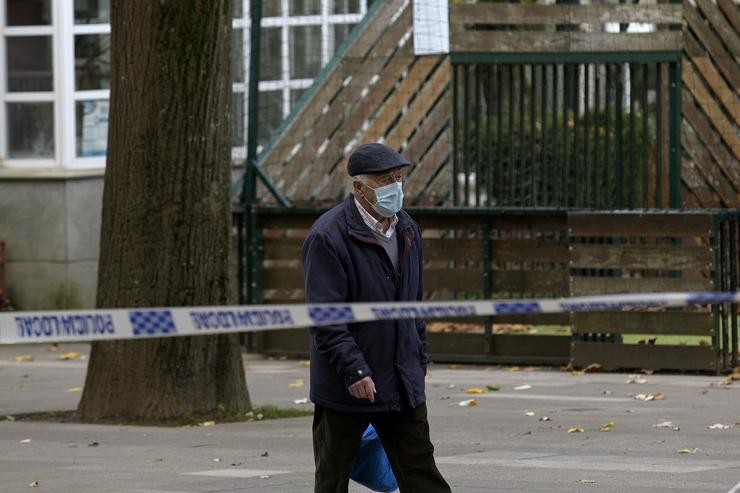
column 166, row 210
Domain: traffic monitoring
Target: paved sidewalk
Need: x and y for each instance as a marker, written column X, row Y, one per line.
column 492, row 447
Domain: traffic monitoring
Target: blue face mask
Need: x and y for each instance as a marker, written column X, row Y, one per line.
column 389, row 199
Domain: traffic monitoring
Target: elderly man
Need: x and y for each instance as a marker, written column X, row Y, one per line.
column 367, row 249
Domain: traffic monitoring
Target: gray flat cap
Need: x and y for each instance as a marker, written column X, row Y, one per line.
column 374, row 158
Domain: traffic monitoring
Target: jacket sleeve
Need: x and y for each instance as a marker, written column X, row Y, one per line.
column 326, row 282
column 421, row 326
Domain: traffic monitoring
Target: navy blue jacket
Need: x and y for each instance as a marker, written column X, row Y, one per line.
column 343, row 262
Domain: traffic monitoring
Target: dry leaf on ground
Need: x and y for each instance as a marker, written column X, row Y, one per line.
column 474, row 390
column 24, row 358
column 207, row 423
column 69, row 356
column 648, row 397
column 469, row 402
column 26, row 440
column 528, row 413
column 608, row 426
column 297, row 384
column 492, row 388
column 523, row 387
column 576, row 430
column 304, row 362
column 34, row 484
column 636, row 379
column 587, row 481
column 687, row 450
column 667, row 424
column 545, row 418
column 719, row 426
column 74, row 389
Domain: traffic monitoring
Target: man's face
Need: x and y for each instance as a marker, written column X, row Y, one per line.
column 377, row 180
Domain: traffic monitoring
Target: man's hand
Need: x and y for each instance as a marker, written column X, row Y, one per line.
column 363, row 389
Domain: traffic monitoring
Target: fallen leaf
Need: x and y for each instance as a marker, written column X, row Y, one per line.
column 297, row 384
column 492, row 388
column 451, row 386
column 719, row 426
column 452, row 367
column 301, row 401
column 217, row 459
column 687, row 450
column 54, row 347
column 608, row 426
column 568, row 367
column 469, row 402
column 576, row 430
column 636, row 379
column 523, row 387
column 544, row 418
column 667, row 424
column 529, row 413
column 513, row 368
column 592, row 368
column 265, row 476
column 33, row 484
column 587, row 481
column 304, row 362
column 207, row 423
column 23, row 358
column 649, row 397
column 260, row 416
column 10, row 418
column 474, row 390
column 26, row 440
column 69, row 356
column 74, row 389
column 265, row 454
column 93, row 444
column 578, row 373
column 647, row 371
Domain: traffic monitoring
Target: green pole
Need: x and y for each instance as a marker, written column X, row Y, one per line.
column 249, row 187
column 674, row 135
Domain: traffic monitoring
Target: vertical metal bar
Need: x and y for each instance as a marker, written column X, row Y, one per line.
column 543, row 136
column 619, row 137
column 241, row 264
column 659, row 136
column 566, row 135
column 512, row 155
column 722, row 268
column 533, row 175
column 489, row 137
column 734, row 280
column 455, row 131
column 249, row 184
column 644, row 148
column 610, row 199
column 674, row 135
column 597, row 127
column 589, row 202
column 631, row 179
column 556, row 185
column 479, row 121
column 466, row 133
column 487, row 272
column 523, row 153
column 575, row 102
column 500, row 135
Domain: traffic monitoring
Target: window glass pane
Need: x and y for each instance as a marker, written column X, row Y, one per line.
column 28, row 12
column 295, row 95
column 92, row 11
column 238, row 9
column 237, row 56
column 92, row 128
column 305, row 51
column 305, row 7
column 237, row 121
column 92, row 61
column 30, row 130
column 29, row 63
column 346, row 7
column 271, row 8
column 340, row 33
column 270, row 54
column 270, row 114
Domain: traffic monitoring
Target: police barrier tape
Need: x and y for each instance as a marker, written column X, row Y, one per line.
column 140, row 323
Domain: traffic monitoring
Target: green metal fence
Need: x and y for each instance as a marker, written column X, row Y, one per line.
column 593, row 130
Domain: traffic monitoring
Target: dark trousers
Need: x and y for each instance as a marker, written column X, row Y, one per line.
column 405, row 438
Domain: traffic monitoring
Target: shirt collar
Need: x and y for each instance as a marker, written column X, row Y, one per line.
column 374, row 224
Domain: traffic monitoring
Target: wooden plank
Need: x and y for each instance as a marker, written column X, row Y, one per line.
column 521, row 345
column 426, row 168
column 421, row 105
column 679, row 323
column 287, row 221
column 282, row 249
column 531, row 14
column 618, row 356
column 446, row 343
column 692, row 180
column 457, row 249
column 637, row 224
column 534, row 250
column 731, row 11
column 717, row 20
column 469, row 280
column 710, row 43
column 423, row 139
column 708, row 167
column 671, row 257
column 556, row 42
column 438, row 191
column 562, row 319
column 714, row 80
column 710, row 138
column 583, row 286
column 530, row 282
column 711, row 108
column 432, row 223
column 282, row 278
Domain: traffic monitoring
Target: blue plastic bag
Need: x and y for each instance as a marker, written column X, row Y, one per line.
column 372, row 469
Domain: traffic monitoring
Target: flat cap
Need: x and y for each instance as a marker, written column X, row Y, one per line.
column 374, row 158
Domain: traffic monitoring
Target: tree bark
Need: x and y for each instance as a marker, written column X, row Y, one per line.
column 166, row 210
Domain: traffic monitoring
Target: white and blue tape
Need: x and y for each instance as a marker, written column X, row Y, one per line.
column 140, row 323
